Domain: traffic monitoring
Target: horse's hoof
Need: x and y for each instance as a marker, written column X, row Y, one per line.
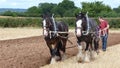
column 92, row 55
column 97, row 52
column 86, row 57
column 57, row 58
column 64, row 57
column 53, row 60
column 86, row 60
column 80, row 58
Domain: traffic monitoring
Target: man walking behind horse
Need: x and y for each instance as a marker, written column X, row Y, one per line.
column 104, row 27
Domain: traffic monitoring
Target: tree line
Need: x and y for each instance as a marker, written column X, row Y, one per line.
column 67, row 8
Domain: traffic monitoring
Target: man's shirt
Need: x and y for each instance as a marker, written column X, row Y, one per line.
column 103, row 24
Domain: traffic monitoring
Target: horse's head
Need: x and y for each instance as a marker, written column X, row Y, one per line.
column 81, row 23
column 47, row 24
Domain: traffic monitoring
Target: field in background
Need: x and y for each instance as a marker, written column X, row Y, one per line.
column 13, row 33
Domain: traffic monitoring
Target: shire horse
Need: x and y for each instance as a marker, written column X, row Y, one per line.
column 56, row 36
column 86, row 30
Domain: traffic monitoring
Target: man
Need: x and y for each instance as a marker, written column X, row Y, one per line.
column 104, row 26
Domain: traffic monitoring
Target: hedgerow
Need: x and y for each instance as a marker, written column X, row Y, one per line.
column 36, row 21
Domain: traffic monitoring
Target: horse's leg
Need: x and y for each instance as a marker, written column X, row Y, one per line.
column 63, row 48
column 53, row 51
column 92, row 57
column 52, row 60
column 87, row 57
column 96, row 45
column 87, row 46
column 80, row 53
column 57, row 54
column 97, row 51
column 93, row 47
column 58, row 50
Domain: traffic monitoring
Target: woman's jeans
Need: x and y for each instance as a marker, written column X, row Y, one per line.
column 104, row 42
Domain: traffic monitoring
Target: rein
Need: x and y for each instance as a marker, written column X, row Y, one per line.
column 88, row 26
column 78, row 27
column 57, row 33
column 54, row 24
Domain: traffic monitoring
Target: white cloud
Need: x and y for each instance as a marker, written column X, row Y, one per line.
column 2, row 1
column 14, row 4
column 111, row 3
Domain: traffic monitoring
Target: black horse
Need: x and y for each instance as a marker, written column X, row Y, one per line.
column 56, row 36
column 86, row 30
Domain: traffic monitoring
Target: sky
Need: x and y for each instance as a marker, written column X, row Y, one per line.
column 29, row 3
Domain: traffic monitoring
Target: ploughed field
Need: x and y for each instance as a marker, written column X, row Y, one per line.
column 26, row 48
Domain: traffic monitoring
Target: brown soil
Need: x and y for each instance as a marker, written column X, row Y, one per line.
column 32, row 52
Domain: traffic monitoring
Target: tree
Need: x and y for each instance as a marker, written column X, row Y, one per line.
column 59, row 11
column 117, row 10
column 33, row 11
column 66, row 8
column 95, row 8
column 67, row 4
column 10, row 13
column 46, row 7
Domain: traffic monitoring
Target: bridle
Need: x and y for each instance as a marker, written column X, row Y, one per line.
column 83, row 32
column 88, row 26
column 49, row 24
column 78, row 27
column 45, row 26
